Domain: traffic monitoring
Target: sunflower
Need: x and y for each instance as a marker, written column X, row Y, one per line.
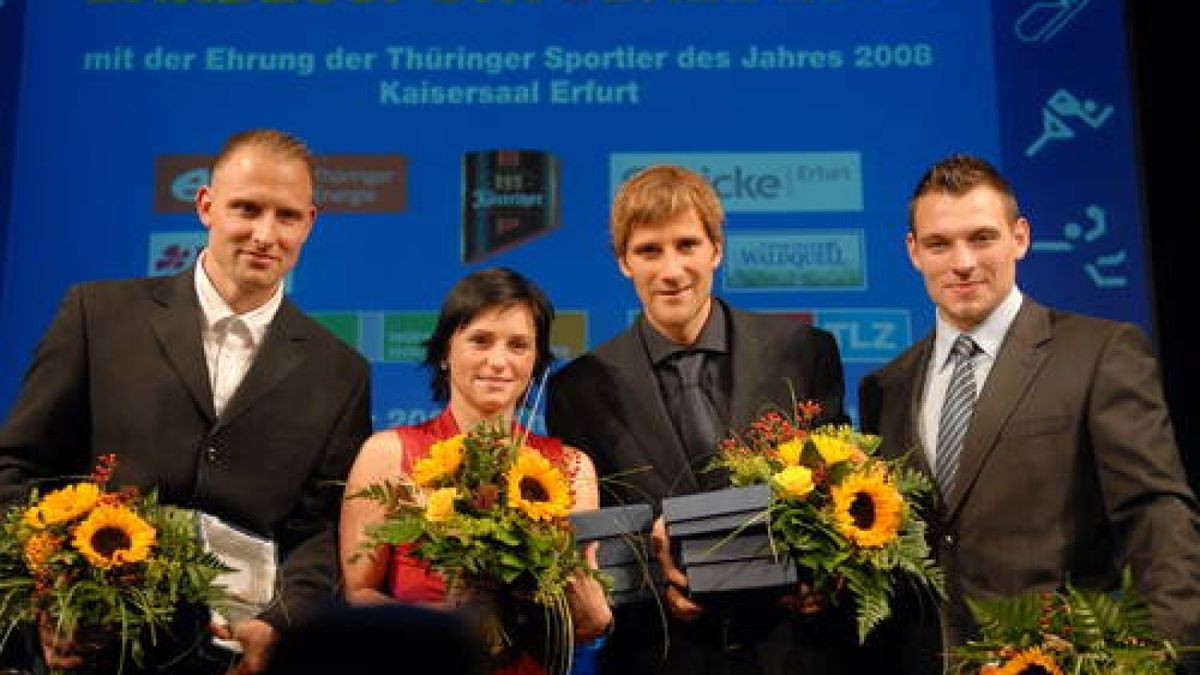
column 789, row 451
column 868, row 509
column 833, row 449
column 1032, row 661
column 444, row 459
column 537, row 488
column 794, row 481
column 440, row 505
column 63, row 505
column 113, row 535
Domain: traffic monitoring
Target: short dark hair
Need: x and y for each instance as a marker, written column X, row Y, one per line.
column 492, row 288
column 280, row 143
column 957, row 175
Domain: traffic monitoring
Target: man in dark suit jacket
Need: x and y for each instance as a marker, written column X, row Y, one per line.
column 1069, row 468
column 618, row 403
column 139, row 368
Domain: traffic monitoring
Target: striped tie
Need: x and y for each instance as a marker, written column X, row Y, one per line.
column 956, row 411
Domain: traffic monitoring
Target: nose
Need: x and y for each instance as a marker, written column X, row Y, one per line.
column 672, row 264
column 264, row 232
column 962, row 257
column 494, row 358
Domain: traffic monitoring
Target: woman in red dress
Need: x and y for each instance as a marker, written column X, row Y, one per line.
column 491, row 341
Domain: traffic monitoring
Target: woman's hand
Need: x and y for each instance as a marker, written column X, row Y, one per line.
column 590, row 612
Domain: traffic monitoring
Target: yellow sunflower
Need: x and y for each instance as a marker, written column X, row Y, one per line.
column 833, row 449
column 444, row 459
column 794, row 481
column 538, row 488
column 113, row 535
column 789, row 451
column 868, row 509
column 1032, row 661
column 63, row 505
column 440, row 505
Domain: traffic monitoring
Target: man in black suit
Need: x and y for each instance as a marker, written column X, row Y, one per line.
column 1068, row 467
column 210, row 387
column 622, row 403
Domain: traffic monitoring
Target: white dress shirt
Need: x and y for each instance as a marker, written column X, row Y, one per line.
column 988, row 335
column 230, row 340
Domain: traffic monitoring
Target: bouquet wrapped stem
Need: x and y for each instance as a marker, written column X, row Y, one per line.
column 845, row 517
column 490, row 516
column 92, row 568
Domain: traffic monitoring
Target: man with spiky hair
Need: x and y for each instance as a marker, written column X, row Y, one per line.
column 1046, row 431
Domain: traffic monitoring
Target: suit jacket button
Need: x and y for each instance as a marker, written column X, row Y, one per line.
column 948, row 540
column 210, row 454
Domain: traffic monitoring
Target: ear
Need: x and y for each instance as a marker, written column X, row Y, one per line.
column 624, row 267
column 1021, row 236
column 204, row 204
column 910, row 242
column 312, row 220
column 718, row 253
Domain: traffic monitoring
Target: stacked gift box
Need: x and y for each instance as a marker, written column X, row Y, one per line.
column 625, row 553
column 722, row 543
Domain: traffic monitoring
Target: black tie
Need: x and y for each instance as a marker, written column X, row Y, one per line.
column 699, row 425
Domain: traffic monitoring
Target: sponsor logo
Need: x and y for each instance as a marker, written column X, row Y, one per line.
column 763, row 182
column 509, row 197
column 345, row 183
column 176, row 180
column 867, row 335
column 398, row 337
column 863, row 335
column 790, row 260
column 568, row 334
column 172, row 252
column 362, row 183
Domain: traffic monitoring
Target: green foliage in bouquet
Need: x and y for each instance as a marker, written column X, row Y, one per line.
column 488, row 513
column 1070, row 631
column 846, row 517
column 113, row 565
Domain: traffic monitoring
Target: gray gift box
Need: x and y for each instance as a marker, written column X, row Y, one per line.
column 718, row 511
column 707, row 550
column 624, row 552
column 750, row 574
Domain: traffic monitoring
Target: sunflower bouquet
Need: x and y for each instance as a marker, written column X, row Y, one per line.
column 101, row 567
column 845, row 517
column 490, row 515
column 1073, row 631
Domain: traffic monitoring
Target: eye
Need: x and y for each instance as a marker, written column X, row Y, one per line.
column 246, row 209
column 520, row 345
column 479, row 339
column 646, row 251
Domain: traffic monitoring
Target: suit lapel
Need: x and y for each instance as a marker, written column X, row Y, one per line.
column 281, row 352
column 176, row 326
column 646, row 417
column 1021, row 356
column 747, row 349
column 913, row 381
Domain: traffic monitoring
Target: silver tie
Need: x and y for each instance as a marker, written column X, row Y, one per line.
column 956, row 411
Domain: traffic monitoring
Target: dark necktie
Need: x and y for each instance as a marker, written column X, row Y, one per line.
column 699, row 425
column 957, row 410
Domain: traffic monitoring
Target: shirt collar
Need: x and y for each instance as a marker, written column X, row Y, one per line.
column 713, row 337
column 214, row 309
column 987, row 335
